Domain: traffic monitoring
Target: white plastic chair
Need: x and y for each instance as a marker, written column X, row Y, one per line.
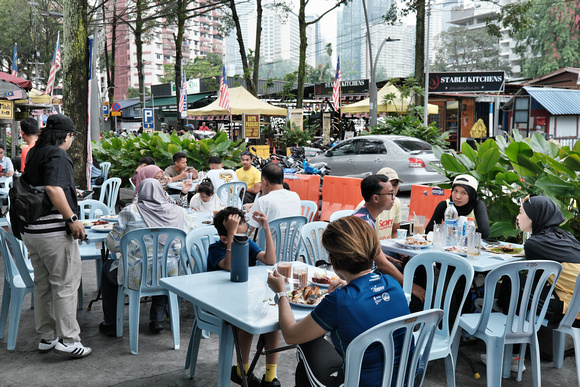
column 523, row 319
column 309, row 209
column 438, row 295
column 312, row 242
column 340, row 214
column 420, row 326
column 110, row 193
column 286, row 235
column 232, row 194
column 565, row 327
column 105, row 166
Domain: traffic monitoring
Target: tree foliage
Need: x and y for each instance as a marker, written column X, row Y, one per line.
column 200, row 67
column 463, row 49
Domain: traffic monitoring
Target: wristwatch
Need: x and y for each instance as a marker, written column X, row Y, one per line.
column 72, row 219
column 278, row 296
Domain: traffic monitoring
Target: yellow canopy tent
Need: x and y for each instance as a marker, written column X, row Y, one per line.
column 241, row 101
column 398, row 105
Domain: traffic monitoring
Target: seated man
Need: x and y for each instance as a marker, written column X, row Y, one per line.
column 251, row 176
column 218, row 175
column 145, row 161
column 178, row 171
column 228, row 222
column 6, row 167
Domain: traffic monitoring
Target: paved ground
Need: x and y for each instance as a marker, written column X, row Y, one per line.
column 159, row 364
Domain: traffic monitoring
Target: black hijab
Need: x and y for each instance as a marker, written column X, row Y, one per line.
column 470, row 205
column 547, row 240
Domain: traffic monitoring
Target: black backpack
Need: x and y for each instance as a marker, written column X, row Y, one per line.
column 27, row 204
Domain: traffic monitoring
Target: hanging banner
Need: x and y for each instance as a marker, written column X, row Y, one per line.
column 251, row 125
column 326, row 127
column 296, row 118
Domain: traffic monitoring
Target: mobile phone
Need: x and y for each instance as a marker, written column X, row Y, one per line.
column 84, row 194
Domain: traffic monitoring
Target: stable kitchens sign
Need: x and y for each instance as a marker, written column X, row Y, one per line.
column 476, row 81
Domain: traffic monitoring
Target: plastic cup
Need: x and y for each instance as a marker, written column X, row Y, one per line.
column 189, row 176
column 401, row 234
column 300, row 273
column 419, row 224
column 474, row 246
column 284, row 268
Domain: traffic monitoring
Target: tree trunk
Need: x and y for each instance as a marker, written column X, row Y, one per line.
column 302, row 61
column 420, row 48
column 178, row 38
column 110, row 58
column 139, row 46
column 240, row 38
column 75, row 80
column 258, row 44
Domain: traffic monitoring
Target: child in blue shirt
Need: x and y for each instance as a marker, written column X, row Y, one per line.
column 228, row 222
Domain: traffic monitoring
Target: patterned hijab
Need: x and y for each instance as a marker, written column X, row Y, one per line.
column 145, row 173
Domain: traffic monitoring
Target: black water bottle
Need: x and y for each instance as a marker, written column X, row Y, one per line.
column 240, row 258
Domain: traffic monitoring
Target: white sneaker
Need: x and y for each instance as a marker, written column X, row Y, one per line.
column 75, row 350
column 46, row 345
column 514, row 366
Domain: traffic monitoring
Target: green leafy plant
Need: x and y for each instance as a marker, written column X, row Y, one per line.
column 125, row 153
column 293, row 136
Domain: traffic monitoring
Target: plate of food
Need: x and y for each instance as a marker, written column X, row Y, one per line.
column 307, row 297
column 103, row 227
column 456, row 250
column 110, row 218
column 414, row 243
column 504, row 249
column 323, row 279
column 94, row 222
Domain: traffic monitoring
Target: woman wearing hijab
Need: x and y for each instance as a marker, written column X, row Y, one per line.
column 154, row 172
column 464, row 198
column 152, row 209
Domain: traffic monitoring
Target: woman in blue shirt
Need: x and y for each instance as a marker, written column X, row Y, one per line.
column 366, row 299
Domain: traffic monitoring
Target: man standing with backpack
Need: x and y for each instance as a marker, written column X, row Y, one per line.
column 51, row 243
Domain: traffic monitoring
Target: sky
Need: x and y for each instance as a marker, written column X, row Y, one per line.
column 328, row 22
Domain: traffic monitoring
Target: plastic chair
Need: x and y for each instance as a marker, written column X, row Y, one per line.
column 232, row 194
column 416, row 328
column 438, row 295
column 311, row 242
column 132, row 185
column 565, row 327
column 105, row 166
column 520, row 324
column 152, row 269
column 110, row 193
column 309, row 209
column 340, row 214
column 286, row 235
column 18, row 282
column 91, row 209
column 197, row 243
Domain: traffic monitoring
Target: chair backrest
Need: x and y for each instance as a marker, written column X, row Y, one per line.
column 416, row 328
column 138, row 240
column 286, row 235
column 14, row 261
column 573, row 308
column 309, row 209
column 439, row 290
column 90, row 208
column 105, row 166
column 232, row 194
column 312, row 242
column 197, row 243
column 132, row 185
column 340, row 214
column 527, row 279
column 110, row 193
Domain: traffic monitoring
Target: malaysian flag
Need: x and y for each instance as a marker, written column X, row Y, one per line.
column 224, row 102
column 336, row 88
column 14, row 62
column 54, row 67
column 183, row 95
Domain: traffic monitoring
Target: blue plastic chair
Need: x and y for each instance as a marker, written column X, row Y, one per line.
column 197, row 243
column 232, row 194
column 110, row 193
column 154, row 267
column 312, row 242
column 18, row 282
column 309, row 209
column 340, row 214
column 565, row 327
column 438, row 295
column 418, row 328
column 91, row 209
column 286, row 235
column 523, row 319
column 105, row 166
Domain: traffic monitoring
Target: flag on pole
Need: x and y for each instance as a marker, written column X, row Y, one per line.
column 15, row 62
column 336, row 88
column 53, row 68
column 183, row 95
column 89, row 165
column 224, row 101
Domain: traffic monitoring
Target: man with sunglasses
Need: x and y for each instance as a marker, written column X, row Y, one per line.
column 251, row 176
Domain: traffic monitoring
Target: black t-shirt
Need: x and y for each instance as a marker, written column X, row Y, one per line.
column 51, row 165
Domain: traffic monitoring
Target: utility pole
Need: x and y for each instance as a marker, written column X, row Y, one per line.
column 36, row 78
column 426, row 108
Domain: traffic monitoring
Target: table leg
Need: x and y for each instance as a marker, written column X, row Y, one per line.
column 239, row 356
column 103, row 259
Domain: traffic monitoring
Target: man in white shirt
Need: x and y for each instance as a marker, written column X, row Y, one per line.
column 218, row 175
column 6, row 167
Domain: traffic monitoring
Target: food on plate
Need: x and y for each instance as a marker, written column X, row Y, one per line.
column 108, row 226
column 416, row 242
column 94, row 222
column 455, row 249
column 323, row 279
column 110, row 217
column 505, row 249
column 100, row 222
column 309, row 295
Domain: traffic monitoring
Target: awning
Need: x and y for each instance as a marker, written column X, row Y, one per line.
column 556, row 101
column 24, row 83
column 241, row 101
column 168, row 101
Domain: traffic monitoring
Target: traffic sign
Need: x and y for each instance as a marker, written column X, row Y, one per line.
column 148, row 119
column 105, row 109
column 116, row 107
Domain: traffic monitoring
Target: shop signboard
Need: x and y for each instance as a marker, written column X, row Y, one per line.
column 251, row 125
column 474, row 81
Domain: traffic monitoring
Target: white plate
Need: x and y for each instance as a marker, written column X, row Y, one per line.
column 329, row 273
column 102, row 228
column 460, row 251
column 309, row 306
column 403, row 244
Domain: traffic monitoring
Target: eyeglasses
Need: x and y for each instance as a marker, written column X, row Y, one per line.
column 391, row 194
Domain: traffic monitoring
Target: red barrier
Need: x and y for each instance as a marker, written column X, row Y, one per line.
column 307, row 187
column 339, row 193
column 424, row 199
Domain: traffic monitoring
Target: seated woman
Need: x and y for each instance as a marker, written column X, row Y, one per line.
column 205, row 200
column 464, row 198
column 366, row 300
column 153, row 171
column 151, row 210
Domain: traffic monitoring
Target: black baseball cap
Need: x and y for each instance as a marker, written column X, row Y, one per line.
column 60, row 122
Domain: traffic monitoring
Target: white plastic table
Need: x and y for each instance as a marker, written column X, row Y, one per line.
column 245, row 305
column 177, row 185
column 487, row 261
